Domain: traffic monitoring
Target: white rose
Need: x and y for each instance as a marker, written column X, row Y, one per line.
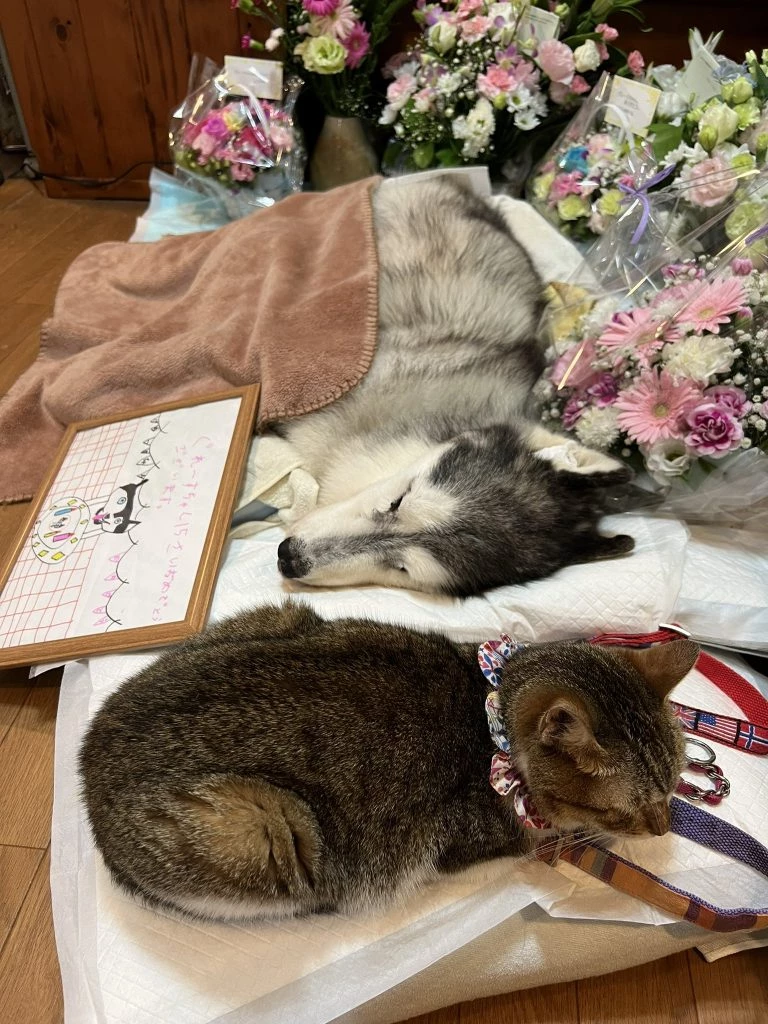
column 698, row 358
column 442, row 36
column 720, row 117
column 665, row 459
column 587, row 56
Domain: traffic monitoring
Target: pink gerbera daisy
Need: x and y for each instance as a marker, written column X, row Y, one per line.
column 654, row 407
column 639, row 330
column 320, row 7
column 357, row 45
column 712, row 305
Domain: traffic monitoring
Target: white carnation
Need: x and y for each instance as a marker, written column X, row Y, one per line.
column 597, row 428
column 698, row 358
column 475, row 129
column 446, row 85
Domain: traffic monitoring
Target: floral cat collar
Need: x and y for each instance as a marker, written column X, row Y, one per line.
column 506, row 778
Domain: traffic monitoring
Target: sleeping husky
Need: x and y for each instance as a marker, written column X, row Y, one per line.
column 431, row 475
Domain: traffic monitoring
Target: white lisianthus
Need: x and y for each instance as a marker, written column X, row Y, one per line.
column 666, row 459
column 597, row 428
column 475, row 129
column 722, row 118
column 698, row 358
column 587, row 56
column 442, row 36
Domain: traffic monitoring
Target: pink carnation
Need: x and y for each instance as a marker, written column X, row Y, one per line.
column 241, row 172
column 399, row 91
column 475, row 28
column 572, row 411
column 205, row 144
column 580, row 85
column 494, row 82
column 733, row 400
column 742, row 267
column 609, row 34
column 654, row 408
column 559, row 93
column 320, row 7
column 468, row 7
column 714, row 431
column 556, row 61
column 711, row 181
column 636, row 63
column 605, row 390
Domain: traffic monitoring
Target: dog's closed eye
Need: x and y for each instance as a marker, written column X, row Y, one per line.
column 396, row 503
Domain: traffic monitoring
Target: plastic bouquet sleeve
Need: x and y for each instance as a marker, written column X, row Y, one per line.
column 228, row 143
column 581, row 184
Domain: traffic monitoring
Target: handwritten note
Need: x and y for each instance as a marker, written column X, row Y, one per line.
column 631, row 105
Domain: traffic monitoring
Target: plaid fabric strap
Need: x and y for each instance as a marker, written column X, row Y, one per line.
column 688, row 821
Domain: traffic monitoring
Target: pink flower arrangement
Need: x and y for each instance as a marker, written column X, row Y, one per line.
column 669, row 387
column 233, row 142
column 556, row 61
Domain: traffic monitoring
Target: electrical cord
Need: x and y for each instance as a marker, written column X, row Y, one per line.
column 33, row 174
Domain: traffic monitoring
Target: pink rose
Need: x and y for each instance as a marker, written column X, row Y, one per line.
column 609, row 34
column 712, row 182
column 636, row 63
column 733, row 400
column 556, row 61
column 582, row 373
column 216, row 126
column 205, row 144
column 714, row 431
column 475, row 28
column 580, row 85
column 602, row 51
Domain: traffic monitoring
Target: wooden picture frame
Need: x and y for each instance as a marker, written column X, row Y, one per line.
column 229, row 466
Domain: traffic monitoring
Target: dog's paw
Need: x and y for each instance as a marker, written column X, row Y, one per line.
column 572, row 457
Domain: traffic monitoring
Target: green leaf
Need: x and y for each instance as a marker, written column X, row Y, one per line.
column 423, row 155
column 761, row 81
column 666, row 137
column 447, row 158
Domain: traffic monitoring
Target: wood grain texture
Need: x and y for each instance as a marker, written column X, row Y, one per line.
column 17, row 869
column 553, row 1004
column 14, row 690
column 450, row 1015
column 30, row 987
column 733, row 990
column 26, row 768
column 653, row 993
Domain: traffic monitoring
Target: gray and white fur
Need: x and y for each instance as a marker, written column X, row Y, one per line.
column 433, row 473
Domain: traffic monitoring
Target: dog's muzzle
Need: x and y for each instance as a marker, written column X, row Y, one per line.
column 290, row 561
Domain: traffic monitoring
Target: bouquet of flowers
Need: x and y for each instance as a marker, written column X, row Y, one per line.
column 482, row 77
column 675, row 379
column 242, row 149
column 706, row 152
column 330, row 44
column 586, row 178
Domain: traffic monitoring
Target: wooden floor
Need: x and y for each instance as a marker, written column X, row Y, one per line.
column 38, row 238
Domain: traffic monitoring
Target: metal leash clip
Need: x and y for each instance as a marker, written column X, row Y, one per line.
column 706, row 766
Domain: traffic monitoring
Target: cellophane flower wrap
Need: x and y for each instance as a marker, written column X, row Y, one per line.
column 586, row 179
column 482, row 78
column 672, row 376
column 706, row 150
column 244, row 150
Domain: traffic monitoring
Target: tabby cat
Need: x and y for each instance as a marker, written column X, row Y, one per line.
column 279, row 764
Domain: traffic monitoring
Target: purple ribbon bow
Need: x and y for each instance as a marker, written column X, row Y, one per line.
column 760, row 233
column 641, row 193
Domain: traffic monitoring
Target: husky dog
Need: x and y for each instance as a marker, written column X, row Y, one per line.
column 431, row 477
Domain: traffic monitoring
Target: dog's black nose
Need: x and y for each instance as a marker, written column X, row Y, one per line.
column 289, row 561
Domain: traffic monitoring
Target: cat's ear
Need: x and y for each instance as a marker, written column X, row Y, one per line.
column 566, row 726
column 665, row 665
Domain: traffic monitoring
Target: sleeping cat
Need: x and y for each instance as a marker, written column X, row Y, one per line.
column 279, row 764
